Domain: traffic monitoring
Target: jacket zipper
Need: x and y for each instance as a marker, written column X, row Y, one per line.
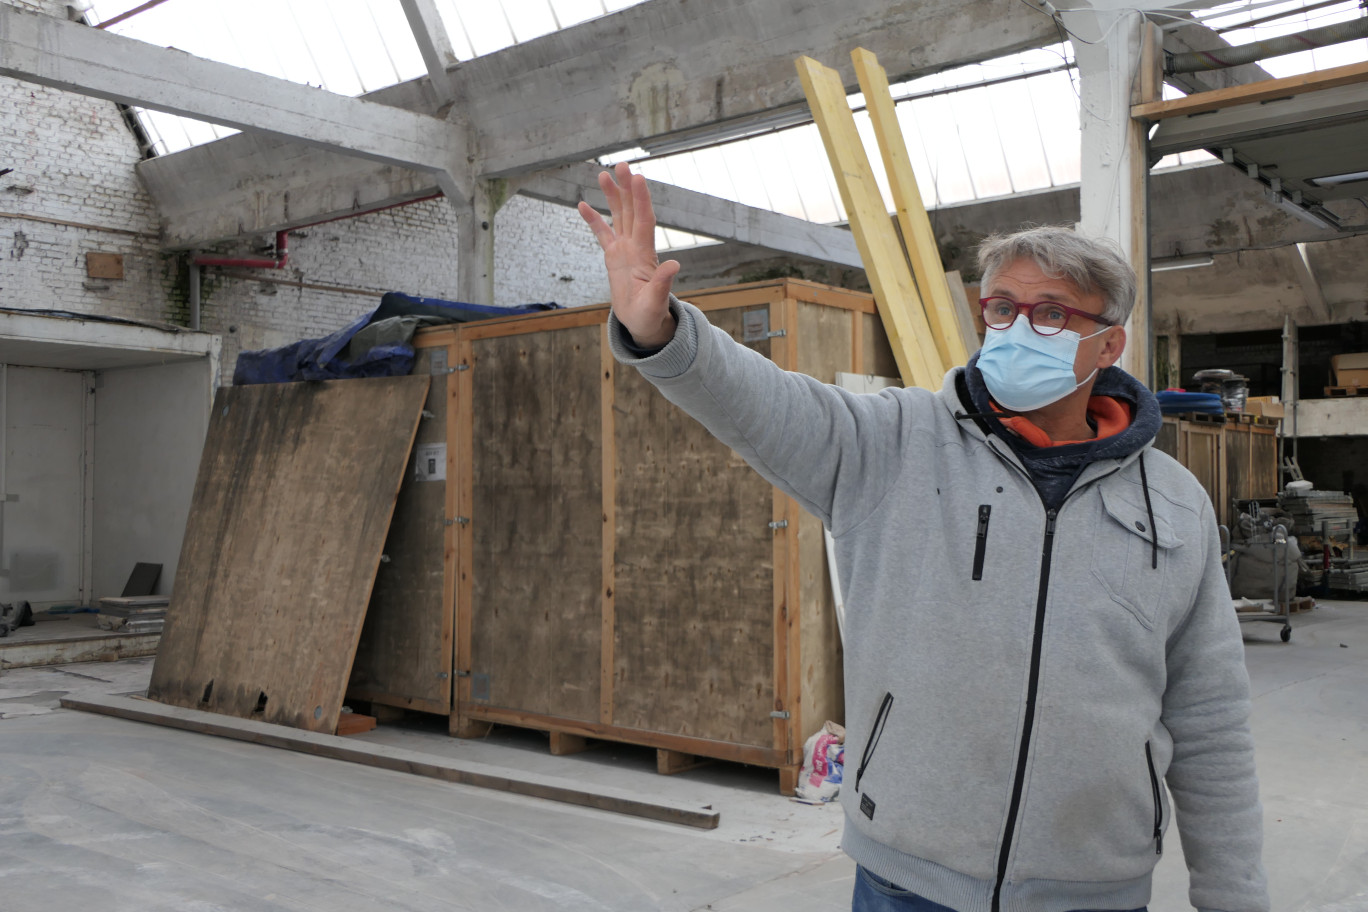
column 875, row 733
column 985, row 510
column 1158, row 802
column 1029, row 721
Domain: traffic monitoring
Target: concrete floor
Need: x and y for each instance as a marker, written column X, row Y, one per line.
column 101, row 814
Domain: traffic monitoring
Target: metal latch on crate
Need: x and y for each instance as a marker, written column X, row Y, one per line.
column 755, row 327
column 780, row 524
column 460, row 520
column 439, row 363
column 779, row 714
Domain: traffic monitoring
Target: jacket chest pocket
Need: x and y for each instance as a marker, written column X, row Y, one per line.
column 1132, row 551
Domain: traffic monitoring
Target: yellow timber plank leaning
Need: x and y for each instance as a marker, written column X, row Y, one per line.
column 904, row 320
column 922, row 250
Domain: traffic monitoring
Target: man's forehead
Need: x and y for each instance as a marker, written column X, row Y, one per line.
column 1027, row 276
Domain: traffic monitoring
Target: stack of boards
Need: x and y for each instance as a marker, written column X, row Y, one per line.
column 140, row 614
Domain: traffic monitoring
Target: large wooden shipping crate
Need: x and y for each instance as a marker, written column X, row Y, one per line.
column 1234, row 460
column 616, row 572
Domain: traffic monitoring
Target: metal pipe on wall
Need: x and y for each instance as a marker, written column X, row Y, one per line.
column 1220, row 58
column 282, row 256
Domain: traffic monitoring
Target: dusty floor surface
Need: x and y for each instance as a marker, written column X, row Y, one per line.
column 102, row 814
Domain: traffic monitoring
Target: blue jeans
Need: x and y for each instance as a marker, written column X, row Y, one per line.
column 874, row 894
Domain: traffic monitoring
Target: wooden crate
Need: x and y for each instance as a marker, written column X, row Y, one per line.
column 1232, row 460
column 615, row 571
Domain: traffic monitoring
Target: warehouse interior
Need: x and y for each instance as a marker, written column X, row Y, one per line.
column 472, row 651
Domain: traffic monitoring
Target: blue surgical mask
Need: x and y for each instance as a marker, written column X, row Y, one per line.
column 1024, row 370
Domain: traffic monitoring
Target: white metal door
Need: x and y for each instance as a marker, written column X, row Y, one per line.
column 42, row 480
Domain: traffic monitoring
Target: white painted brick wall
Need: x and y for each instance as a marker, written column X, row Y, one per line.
column 73, row 160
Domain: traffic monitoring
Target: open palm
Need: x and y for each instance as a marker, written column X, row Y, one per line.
column 638, row 282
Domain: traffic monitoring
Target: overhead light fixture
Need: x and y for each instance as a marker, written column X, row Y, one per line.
column 1182, row 262
column 1334, row 180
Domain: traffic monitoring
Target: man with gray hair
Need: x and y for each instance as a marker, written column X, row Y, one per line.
column 1039, row 636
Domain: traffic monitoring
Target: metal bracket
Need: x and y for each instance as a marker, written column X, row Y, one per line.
column 779, row 714
column 781, row 524
column 462, row 520
column 462, row 674
column 442, row 675
column 439, row 364
column 776, row 334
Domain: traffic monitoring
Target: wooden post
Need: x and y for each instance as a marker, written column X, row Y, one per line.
column 608, row 628
column 905, row 322
column 922, row 250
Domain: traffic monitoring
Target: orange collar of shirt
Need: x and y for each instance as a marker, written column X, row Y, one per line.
column 1112, row 416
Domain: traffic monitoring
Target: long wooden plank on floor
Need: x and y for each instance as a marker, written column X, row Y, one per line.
column 922, row 250
column 480, row 775
column 292, row 504
column 904, row 319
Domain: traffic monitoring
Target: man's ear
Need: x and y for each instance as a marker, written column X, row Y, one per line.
column 1112, row 345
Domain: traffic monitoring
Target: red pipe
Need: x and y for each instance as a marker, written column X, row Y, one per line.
column 281, row 258
column 281, row 247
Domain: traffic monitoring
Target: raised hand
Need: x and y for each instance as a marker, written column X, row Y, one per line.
column 638, row 282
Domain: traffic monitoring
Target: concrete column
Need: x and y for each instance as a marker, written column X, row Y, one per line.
column 1120, row 68
column 475, row 242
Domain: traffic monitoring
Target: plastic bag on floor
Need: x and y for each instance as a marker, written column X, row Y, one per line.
column 823, row 764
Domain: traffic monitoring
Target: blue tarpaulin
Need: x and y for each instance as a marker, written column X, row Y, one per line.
column 380, row 344
column 1178, row 402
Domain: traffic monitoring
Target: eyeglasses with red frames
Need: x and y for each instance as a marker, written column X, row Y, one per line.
column 1047, row 318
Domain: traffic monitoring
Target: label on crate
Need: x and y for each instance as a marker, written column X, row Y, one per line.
column 429, row 462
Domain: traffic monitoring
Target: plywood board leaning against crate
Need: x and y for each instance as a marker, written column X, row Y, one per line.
column 295, row 492
column 618, row 573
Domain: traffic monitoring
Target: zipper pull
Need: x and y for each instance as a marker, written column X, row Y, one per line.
column 1158, row 841
column 1050, row 517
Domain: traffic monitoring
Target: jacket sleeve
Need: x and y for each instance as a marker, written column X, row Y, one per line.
column 837, row 453
column 1211, row 777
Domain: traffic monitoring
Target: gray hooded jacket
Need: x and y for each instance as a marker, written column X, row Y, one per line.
column 1020, row 682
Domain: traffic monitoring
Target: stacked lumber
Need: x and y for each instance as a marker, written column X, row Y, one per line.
column 1314, row 512
column 926, row 315
column 140, row 614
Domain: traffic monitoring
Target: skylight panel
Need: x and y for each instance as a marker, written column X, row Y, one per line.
column 531, row 19
column 573, row 12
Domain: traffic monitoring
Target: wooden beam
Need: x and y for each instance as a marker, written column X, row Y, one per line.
column 889, row 275
column 432, row 766
column 669, row 763
column 922, row 250
column 1252, row 93
column 73, row 57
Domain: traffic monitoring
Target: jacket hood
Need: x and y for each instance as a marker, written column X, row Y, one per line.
column 1146, row 417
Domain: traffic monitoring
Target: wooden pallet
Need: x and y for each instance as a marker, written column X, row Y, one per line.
column 669, row 759
column 1340, row 392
